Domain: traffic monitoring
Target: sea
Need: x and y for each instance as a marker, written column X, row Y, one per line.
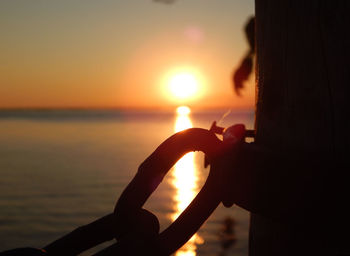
column 61, row 169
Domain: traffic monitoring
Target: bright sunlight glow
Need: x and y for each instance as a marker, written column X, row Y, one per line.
column 185, row 178
column 183, row 111
column 183, row 85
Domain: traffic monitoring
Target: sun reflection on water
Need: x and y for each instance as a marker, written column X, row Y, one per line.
column 185, row 180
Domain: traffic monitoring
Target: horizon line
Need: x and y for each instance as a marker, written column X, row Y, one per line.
column 124, row 108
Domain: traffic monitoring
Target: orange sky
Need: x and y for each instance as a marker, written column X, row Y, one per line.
column 112, row 54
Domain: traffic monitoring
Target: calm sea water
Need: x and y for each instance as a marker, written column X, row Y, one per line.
column 63, row 169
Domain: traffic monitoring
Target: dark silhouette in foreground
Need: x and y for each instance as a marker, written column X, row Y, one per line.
column 242, row 73
column 293, row 177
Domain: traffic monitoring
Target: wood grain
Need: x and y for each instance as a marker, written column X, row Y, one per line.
column 303, row 80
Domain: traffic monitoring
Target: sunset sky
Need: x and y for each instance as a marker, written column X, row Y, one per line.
column 121, row 54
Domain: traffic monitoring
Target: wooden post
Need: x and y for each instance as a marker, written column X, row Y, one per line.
column 303, row 81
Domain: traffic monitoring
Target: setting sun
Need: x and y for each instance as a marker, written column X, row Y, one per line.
column 183, row 85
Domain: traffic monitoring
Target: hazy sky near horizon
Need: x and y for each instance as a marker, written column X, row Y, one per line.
column 104, row 53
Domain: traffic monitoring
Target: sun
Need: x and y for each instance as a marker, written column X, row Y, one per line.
column 183, row 85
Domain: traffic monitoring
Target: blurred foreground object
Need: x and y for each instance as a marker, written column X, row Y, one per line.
column 165, row 1
column 243, row 72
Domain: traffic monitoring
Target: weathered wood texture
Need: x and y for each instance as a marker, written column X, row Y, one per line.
column 303, row 80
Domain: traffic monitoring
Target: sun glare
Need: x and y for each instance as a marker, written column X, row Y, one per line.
column 183, row 110
column 183, row 85
column 185, row 181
